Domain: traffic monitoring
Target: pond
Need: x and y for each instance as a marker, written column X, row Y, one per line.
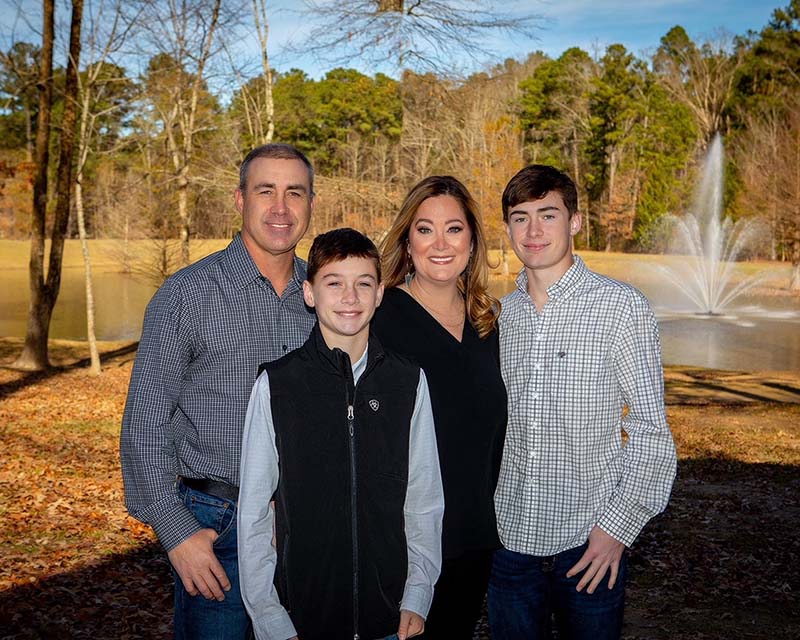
column 760, row 333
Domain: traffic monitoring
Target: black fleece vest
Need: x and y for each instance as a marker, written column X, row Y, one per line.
column 342, row 559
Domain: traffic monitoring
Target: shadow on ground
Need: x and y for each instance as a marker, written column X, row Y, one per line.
column 72, row 361
column 720, row 563
column 128, row 596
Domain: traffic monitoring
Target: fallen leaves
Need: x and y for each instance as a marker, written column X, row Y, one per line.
column 720, row 563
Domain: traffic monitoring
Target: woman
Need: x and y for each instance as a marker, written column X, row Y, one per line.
column 436, row 310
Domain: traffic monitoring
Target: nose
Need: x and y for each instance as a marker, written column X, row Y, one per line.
column 350, row 295
column 440, row 242
column 278, row 205
column 535, row 227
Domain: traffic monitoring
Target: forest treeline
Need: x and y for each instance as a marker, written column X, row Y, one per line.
column 157, row 152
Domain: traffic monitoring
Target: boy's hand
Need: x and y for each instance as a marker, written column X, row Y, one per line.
column 601, row 556
column 411, row 624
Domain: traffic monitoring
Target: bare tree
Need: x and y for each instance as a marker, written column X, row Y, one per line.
column 183, row 32
column 701, row 77
column 92, row 85
column 770, row 167
column 413, row 34
column 44, row 293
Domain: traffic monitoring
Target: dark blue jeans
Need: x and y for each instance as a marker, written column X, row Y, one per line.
column 195, row 617
column 526, row 592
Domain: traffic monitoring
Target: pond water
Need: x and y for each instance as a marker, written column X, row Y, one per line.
column 758, row 333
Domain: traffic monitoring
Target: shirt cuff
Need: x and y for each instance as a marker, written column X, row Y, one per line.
column 623, row 522
column 417, row 600
column 174, row 526
column 278, row 626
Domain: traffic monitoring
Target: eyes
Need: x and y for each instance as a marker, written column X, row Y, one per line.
column 519, row 218
column 291, row 193
column 359, row 284
column 426, row 229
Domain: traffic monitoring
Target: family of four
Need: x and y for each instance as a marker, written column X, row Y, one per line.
column 364, row 445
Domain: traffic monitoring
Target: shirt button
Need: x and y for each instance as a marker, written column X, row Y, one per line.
column 285, row 348
column 538, row 366
column 539, row 336
column 535, row 395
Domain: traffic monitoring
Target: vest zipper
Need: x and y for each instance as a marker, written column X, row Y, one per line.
column 353, row 515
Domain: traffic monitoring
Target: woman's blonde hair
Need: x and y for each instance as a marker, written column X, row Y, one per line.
column 482, row 308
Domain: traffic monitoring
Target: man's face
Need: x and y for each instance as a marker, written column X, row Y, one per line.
column 276, row 206
column 541, row 233
column 345, row 295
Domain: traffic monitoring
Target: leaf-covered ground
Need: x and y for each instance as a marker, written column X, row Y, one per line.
column 722, row 562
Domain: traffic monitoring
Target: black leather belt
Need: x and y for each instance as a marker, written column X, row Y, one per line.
column 215, row 488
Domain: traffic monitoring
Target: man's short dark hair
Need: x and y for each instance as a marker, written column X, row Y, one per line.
column 338, row 245
column 534, row 182
column 276, row 151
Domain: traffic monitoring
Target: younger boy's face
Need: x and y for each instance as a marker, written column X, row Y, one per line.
column 345, row 295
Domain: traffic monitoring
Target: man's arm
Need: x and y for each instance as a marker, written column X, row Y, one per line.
column 257, row 555
column 147, row 447
column 648, row 458
column 424, row 508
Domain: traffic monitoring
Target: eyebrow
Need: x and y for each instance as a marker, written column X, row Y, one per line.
column 339, row 275
column 549, row 207
column 429, row 221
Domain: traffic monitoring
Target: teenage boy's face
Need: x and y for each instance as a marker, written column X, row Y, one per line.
column 541, row 235
column 345, row 295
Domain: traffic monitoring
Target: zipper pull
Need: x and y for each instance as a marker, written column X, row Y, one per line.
column 350, row 420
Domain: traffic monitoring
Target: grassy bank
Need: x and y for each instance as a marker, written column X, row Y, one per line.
column 718, row 564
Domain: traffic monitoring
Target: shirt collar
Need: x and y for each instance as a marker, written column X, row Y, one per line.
column 242, row 270
column 564, row 285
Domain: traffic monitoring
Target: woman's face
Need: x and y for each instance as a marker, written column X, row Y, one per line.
column 439, row 240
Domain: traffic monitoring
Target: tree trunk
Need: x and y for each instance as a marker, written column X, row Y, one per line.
column 94, row 355
column 34, row 353
column 83, row 151
column 183, row 212
column 262, row 26
column 28, row 134
column 794, row 285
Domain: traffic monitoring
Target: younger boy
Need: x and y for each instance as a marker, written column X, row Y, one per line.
column 341, row 432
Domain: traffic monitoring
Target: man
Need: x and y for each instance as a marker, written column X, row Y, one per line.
column 343, row 430
column 206, row 331
column 576, row 349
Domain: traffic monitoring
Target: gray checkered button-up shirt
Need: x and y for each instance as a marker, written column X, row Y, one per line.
column 570, row 371
column 206, row 331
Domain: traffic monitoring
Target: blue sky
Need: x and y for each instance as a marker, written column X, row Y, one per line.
column 589, row 24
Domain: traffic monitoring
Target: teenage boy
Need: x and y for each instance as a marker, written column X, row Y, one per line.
column 339, row 433
column 576, row 348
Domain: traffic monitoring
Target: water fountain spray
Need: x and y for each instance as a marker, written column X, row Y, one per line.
column 711, row 244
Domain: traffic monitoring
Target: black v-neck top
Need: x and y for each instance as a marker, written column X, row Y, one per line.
column 469, row 411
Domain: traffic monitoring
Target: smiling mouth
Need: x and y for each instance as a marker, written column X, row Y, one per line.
column 445, row 260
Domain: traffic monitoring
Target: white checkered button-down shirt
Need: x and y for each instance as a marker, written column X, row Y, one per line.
column 570, row 371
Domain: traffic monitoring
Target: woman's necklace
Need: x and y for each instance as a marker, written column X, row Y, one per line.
column 450, row 320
